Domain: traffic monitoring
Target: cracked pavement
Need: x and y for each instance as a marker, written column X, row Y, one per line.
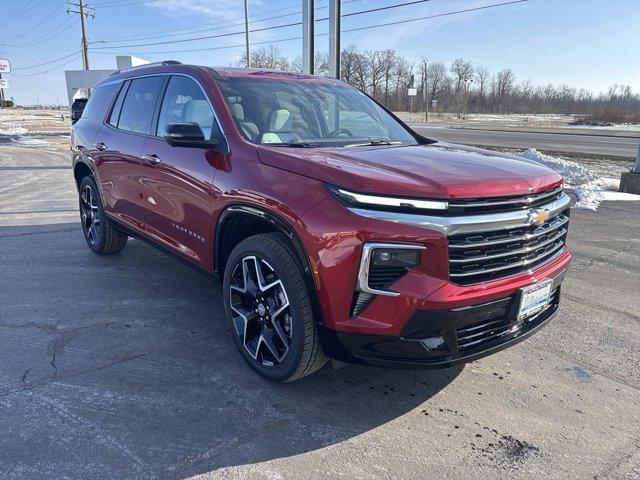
column 123, row 367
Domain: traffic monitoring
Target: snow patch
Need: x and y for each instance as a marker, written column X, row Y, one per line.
column 30, row 142
column 590, row 189
column 11, row 129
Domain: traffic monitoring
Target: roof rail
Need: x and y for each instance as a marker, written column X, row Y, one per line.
column 153, row 64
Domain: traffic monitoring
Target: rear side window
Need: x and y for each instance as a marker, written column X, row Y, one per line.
column 140, row 100
column 99, row 101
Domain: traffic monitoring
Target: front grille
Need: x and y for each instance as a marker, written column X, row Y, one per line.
column 484, row 256
column 502, row 204
column 498, row 329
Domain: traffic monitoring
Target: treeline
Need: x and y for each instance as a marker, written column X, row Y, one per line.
column 461, row 87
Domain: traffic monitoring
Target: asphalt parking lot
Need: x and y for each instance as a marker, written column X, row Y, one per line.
column 123, row 367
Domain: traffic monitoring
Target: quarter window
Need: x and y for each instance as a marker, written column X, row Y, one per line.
column 99, row 101
column 139, row 103
column 185, row 102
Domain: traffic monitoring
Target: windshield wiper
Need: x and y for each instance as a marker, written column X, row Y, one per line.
column 374, row 142
column 292, row 145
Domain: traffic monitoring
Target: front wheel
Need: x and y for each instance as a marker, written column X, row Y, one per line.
column 269, row 306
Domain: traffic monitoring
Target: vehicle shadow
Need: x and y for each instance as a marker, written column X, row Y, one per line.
column 133, row 351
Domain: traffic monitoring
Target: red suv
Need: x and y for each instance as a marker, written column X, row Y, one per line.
column 335, row 229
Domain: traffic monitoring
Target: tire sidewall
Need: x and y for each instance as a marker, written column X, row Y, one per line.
column 286, row 368
column 98, row 246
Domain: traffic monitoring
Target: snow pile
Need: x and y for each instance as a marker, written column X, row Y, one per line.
column 10, row 129
column 30, row 142
column 572, row 172
column 590, row 189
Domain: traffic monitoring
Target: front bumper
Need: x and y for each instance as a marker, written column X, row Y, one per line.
column 444, row 338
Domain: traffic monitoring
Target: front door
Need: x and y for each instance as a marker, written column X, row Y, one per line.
column 178, row 181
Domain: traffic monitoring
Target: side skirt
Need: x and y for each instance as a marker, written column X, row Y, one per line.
column 214, row 277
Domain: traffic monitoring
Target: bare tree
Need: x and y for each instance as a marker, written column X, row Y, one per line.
column 387, row 76
column 462, row 71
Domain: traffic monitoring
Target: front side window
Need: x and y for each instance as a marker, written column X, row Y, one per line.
column 137, row 109
column 309, row 112
column 185, row 102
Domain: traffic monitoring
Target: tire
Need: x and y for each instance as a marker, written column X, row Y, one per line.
column 99, row 232
column 268, row 304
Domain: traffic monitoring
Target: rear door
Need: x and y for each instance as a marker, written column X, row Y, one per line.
column 178, row 181
column 118, row 149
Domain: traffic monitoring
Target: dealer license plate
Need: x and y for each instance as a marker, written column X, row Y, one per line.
column 534, row 298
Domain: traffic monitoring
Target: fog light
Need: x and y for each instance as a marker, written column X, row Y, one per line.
column 384, row 263
column 395, row 257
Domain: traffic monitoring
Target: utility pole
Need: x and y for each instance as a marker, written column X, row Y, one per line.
column 334, row 37
column 308, row 35
column 246, row 31
column 84, row 11
column 425, row 92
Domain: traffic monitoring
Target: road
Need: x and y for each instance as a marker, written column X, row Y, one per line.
column 558, row 140
column 124, row 367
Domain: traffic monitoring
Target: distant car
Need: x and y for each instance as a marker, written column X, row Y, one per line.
column 336, row 230
column 77, row 107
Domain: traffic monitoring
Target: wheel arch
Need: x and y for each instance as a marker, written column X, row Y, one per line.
column 82, row 168
column 254, row 220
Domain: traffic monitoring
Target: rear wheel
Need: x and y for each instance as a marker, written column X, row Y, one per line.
column 269, row 306
column 98, row 230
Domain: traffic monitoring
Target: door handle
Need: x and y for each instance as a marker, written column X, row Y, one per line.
column 152, row 159
column 100, row 146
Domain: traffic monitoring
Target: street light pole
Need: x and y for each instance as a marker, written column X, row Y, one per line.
column 246, row 31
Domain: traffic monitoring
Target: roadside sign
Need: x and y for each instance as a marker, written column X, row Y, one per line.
column 5, row 66
column 4, row 83
column 412, row 92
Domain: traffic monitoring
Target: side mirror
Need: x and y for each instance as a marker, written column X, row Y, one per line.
column 187, row 135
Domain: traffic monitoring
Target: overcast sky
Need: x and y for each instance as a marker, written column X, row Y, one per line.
column 584, row 43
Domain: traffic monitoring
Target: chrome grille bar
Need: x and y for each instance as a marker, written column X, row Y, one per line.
column 516, row 201
column 520, row 263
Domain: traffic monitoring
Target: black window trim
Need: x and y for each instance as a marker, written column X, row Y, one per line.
column 206, row 96
column 130, row 80
column 158, row 105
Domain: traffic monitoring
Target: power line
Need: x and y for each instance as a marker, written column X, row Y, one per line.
column 46, row 63
column 21, row 11
column 205, row 27
column 61, row 27
column 286, row 25
column 47, row 17
column 288, row 39
column 78, row 55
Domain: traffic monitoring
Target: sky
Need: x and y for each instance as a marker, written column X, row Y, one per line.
column 589, row 44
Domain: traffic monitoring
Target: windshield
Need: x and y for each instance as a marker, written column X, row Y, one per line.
column 308, row 113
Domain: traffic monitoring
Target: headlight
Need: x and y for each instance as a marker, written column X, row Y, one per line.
column 381, row 202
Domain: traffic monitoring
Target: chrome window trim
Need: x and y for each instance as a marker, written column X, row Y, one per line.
column 468, row 223
column 363, row 271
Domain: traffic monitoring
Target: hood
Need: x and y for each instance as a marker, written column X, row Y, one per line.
column 438, row 170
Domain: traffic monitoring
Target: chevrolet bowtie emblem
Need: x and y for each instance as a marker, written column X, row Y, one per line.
column 539, row 216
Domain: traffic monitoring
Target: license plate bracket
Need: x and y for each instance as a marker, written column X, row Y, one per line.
column 534, row 299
